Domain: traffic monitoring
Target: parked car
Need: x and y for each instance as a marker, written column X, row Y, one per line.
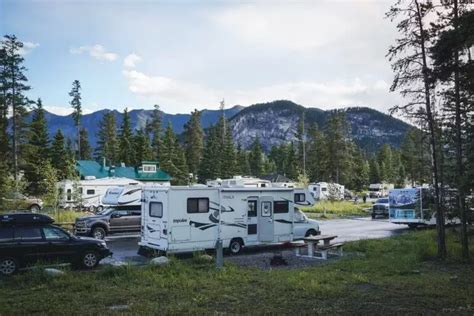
column 26, row 238
column 380, row 208
column 111, row 220
column 19, row 201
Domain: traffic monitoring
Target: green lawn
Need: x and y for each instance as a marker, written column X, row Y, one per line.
column 328, row 209
column 390, row 276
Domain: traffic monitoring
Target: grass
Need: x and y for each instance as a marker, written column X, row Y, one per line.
column 331, row 209
column 390, row 276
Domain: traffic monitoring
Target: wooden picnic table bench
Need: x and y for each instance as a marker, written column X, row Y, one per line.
column 313, row 246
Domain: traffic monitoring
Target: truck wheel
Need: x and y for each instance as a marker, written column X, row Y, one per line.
column 235, row 246
column 90, row 260
column 98, row 233
column 8, row 266
column 34, row 208
column 311, row 232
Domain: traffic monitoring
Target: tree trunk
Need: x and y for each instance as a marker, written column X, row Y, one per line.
column 459, row 163
column 434, row 150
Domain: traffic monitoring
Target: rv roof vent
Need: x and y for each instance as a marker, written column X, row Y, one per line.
column 89, row 178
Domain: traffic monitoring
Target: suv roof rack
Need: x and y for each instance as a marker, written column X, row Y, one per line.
column 25, row 219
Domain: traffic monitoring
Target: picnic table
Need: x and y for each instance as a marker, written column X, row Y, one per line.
column 313, row 246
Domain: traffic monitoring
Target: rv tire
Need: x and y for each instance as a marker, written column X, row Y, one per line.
column 235, row 246
column 98, row 232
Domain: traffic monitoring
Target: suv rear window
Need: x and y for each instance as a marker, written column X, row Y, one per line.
column 28, row 233
column 6, row 234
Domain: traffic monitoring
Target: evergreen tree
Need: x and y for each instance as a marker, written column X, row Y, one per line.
column 75, row 93
column 154, row 129
column 84, row 147
column 36, row 152
column 361, row 171
column 141, row 147
column 210, row 166
column 301, row 141
column 256, row 158
column 126, row 152
column 5, row 150
column 291, row 164
column 374, row 171
column 384, row 157
column 14, row 86
column 228, row 155
column 173, row 160
column 278, row 155
column 243, row 161
column 107, row 146
column 338, row 148
column 194, row 142
column 59, row 155
column 317, row 155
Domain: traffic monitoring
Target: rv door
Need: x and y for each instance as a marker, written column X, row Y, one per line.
column 154, row 219
column 265, row 219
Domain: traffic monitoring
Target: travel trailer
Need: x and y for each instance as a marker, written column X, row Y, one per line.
column 123, row 195
column 326, row 191
column 191, row 218
column 413, row 207
column 88, row 193
column 239, row 181
column 378, row 190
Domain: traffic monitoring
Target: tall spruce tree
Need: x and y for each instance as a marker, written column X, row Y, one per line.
column 172, row 156
column 75, row 93
column 338, row 147
column 412, row 69
column 85, row 147
column 141, row 147
column 317, row 155
column 59, row 155
column 243, row 161
column 154, row 129
column 256, row 158
column 194, row 142
column 14, row 86
column 126, row 150
column 5, row 150
column 107, row 146
column 210, row 166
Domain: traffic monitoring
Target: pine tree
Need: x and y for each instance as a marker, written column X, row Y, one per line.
column 278, row 155
column 85, row 147
column 173, row 159
column 75, row 93
column 194, row 142
column 154, row 129
column 374, row 171
column 210, row 167
column 228, row 155
column 14, row 86
column 301, row 141
column 338, row 148
column 317, row 155
column 107, row 146
column 126, row 151
column 5, row 150
column 59, row 155
column 141, row 147
column 291, row 164
column 384, row 157
column 256, row 158
column 243, row 161
column 36, row 152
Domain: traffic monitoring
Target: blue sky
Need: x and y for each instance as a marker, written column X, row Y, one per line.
column 191, row 54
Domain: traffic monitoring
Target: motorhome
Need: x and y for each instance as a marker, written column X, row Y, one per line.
column 88, row 193
column 378, row 190
column 191, row 218
column 326, row 191
column 413, row 207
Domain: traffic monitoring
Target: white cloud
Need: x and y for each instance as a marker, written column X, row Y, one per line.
column 96, row 51
column 131, row 60
column 64, row 110
column 179, row 96
column 28, row 47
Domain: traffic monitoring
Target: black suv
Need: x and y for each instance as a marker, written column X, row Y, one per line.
column 27, row 238
column 111, row 220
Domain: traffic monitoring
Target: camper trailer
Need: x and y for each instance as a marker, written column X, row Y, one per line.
column 378, row 190
column 239, row 181
column 88, row 193
column 186, row 219
column 326, row 191
column 413, row 207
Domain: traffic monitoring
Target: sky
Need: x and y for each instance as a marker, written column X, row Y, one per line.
column 184, row 55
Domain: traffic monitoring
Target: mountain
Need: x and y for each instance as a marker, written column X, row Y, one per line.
column 277, row 121
column 273, row 122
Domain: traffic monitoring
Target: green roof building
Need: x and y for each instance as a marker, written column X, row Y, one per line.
column 147, row 171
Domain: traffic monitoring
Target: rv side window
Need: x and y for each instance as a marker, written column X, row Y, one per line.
column 69, row 195
column 90, row 191
column 156, row 209
column 324, row 189
column 252, row 209
column 300, row 197
column 198, row 205
column 280, row 207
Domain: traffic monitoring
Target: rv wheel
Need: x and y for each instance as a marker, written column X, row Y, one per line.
column 98, row 233
column 235, row 246
column 310, row 233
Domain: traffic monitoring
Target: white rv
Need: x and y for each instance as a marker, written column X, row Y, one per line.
column 326, row 191
column 88, row 193
column 239, row 181
column 185, row 219
column 378, row 190
column 123, row 195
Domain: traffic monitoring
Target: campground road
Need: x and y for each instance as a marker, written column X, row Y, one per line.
column 125, row 247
